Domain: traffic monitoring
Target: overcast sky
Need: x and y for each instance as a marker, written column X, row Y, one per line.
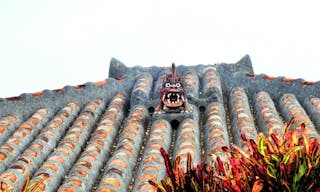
column 47, row 44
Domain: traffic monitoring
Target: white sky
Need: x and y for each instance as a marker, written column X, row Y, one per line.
column 47, row 44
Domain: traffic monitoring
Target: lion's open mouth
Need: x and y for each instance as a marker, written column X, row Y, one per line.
column 173, row 99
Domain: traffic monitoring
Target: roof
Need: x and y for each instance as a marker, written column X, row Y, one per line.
column 105, row 135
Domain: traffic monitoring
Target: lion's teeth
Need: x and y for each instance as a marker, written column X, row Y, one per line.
column 163, row 97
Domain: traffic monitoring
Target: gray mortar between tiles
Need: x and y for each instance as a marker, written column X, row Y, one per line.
column 231, row 75
column 24, row 107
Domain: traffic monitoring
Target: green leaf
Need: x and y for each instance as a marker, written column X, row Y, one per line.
column 271, row 172
column 286, row 157
column 275, row 157
column 262, row 146
column 297, row 177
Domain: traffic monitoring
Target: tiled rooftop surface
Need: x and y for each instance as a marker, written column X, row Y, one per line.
column 105, row 136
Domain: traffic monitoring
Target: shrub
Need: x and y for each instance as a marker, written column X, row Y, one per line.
column 288, row 163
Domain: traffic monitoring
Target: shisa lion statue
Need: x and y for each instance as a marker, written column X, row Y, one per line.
column 173, row 97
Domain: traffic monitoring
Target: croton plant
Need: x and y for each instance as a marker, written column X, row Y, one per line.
column 290, row 163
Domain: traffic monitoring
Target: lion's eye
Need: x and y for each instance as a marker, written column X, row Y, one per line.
column 167, row 84
column 178, row 85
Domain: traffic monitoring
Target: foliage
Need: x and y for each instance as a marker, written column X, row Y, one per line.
column 287, row 163
column 28, row 187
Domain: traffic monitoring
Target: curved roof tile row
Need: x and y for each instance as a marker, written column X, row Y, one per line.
column 114, row 143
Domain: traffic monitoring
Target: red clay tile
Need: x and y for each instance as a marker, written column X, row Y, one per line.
column 107, row 121
column 58, row 90
column 106, row 128
column 12, row 117
column 187, row 130
column 121, row 153
column 266, row 77
column 20, row 133
column 57, row 158
column 76, row 182
column 90, row 156
column 100, row 83
column 112, row 181
column 287, row 80
column 216, row 135
column 191, row 137
column 152, row 158
column 37, row 145
column 17, row 98
column 156, row 145
column 72, row 136
column 153, row 151
column 50, row 166
column 147, row 177
column 7, row 148
column 54, row 125
column 43, row 138
column 67, row 189
column 85, row 163
column 218, row 143
column 69, row 144
column 80, row 172
column 33, row 121
column 93, row 148
column 31, row 152
column 40, row 116
column 157, row 138
column 250, row 75
column 129, row 134
column 14, row 140
column 99, row 142
column 4, row 186
column 77, row 129
column 147, row 187
column 106, row 190
column 126, row 147
column 216, row 129
column 48, row 132
column 5, row 122
column 118, row 162
column 10, row 176
column 26, row 127
column 160, row 131
column 150, row 168
column 64, row 151
column 132, row 126
column 65, row 114
column 186, row 144
column 3, row 156
column 111, row 116
column 128, row 140
column 26, row 160
column 18, row 167
column 308, row 82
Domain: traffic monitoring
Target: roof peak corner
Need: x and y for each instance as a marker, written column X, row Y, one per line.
column 245, row 63
column 116, row 68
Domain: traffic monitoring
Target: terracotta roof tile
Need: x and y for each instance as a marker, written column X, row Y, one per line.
column 57, row 158
column 242, row 120
column 157, row 168
column 76, row 141
column 268, row 117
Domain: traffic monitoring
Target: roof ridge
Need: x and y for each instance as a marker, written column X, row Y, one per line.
column 283, row 78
